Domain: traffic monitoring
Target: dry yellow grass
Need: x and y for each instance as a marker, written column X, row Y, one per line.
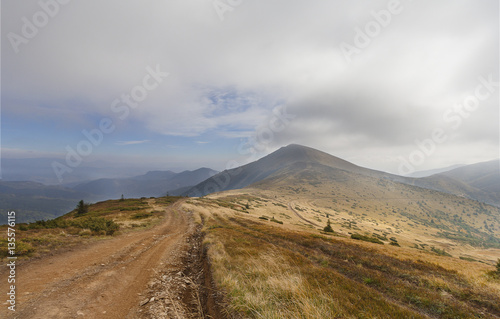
column 290, row 270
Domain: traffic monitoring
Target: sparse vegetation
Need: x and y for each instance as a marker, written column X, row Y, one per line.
column 366, row 238
column 272, row 272
column 328, row 228
column 440, row 252
column 276, row 221
column 100, row 219
column 468, row 258
column 141, row 215
column 95, row 224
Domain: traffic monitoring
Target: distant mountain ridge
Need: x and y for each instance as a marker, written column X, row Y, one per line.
column 485, row 176
column 40, row 170
column 291, row 166
column 427, row 173
column 151, row 184
column 480, row 181
column 35, row 201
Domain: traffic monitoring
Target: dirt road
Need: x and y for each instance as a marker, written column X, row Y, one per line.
column 136, row 275
column 300, row 216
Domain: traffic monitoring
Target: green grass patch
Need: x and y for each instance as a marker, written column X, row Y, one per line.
column 366, row 238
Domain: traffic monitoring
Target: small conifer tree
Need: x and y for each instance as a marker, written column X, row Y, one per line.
column 81, row 208
column 328, row 228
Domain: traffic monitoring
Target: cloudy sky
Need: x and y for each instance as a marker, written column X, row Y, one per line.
column 183, row 84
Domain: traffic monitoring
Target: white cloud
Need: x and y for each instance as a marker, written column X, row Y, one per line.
column 124, row 143
column 226, row 77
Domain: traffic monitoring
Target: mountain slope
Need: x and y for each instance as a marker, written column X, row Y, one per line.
column 40, row 170
column 378, row 202
column 484, row 176
column 431, row 172
column 479, row 181
column 34, row 201
column 273, row 164
column 152, row 184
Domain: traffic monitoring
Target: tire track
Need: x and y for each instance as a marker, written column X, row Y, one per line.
column 105, row 279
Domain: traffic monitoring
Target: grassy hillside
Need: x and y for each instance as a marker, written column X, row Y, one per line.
column 269, row 255
column 272, row 264
column 103, row 219
column 372, row 205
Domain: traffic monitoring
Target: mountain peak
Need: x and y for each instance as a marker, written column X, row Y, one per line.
column 294, row 153
column 284, row 158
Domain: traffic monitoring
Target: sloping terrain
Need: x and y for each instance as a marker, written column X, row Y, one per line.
column 479, row 181
column 155, row 183
column 273, row 164
column 385, row 207
column 271, row 263
column 485, row 176
column 311, row 236
column 253, row 253
column 427, row 173
column 34, row 201
column 40, row 170
column 148, row 273
column 382, row 202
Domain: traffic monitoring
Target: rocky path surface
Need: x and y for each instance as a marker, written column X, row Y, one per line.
column 144, row 274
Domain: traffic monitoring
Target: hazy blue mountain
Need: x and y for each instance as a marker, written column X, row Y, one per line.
column 154, row 183
column 479, row 181
column 34, row 201
column 431, row 172
column 484, row 176
column 40, row 170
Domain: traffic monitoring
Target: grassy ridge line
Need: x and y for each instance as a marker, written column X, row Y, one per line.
column 102, row 219
column 271, row 272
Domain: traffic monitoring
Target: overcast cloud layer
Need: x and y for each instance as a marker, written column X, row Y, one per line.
column 230, row 63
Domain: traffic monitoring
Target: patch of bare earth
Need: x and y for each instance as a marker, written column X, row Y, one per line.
column 156, row 273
